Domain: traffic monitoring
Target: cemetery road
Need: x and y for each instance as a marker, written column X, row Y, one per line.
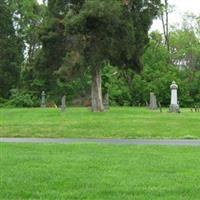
column 176, row 142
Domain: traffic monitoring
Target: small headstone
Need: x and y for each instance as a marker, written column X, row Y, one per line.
column 147, row 105
column 160, row 107
column 195, row 108
column 43, row 99
column 174, row 106
column 106, row 101
column 191, row 109
column 153, row 102
column 63, row 103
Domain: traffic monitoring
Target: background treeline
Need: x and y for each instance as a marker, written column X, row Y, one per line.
column 33, row 58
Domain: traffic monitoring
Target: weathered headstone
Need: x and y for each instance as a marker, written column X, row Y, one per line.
column 147, row 104
column 106, row 101
column 63, row 103
column 43, row 99
column 160, row 107
column 174, row 106
column 153, row 102
column 195, row 108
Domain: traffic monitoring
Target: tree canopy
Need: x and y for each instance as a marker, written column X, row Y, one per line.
column 107, row 32
column 11, row 54
column 86, row 49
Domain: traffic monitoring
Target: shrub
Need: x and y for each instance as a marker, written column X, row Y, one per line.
column 21, row 99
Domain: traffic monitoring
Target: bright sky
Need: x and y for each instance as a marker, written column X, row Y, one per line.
column 181, row 6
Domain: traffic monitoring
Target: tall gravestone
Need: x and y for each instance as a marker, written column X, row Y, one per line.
column 63, row 103
column 106, row 101
column 153, row 101
column 43, row 99
column 174, row 107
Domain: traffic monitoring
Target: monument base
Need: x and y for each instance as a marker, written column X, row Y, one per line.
column 174, row 108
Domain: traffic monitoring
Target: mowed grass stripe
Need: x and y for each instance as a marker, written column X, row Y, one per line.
column 124, row 122
column 98, row 172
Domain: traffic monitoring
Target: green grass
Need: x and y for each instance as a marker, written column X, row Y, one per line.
column 98, row 172
column 124, row 122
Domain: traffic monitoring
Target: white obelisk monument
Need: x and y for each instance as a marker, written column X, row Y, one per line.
column 174, row 107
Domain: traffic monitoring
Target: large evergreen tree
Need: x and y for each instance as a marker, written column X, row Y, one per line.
column 10, row 50
column 108, row 31
column 53, row 48
column 83, row 35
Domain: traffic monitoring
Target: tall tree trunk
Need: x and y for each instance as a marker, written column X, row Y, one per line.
column 96, row 92
column 165, row 23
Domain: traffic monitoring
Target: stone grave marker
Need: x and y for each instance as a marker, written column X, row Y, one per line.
column 153, row 102
column 63, row 103
column 160, row 107
column 43, row 100
column 106, row 101
column 174, row 106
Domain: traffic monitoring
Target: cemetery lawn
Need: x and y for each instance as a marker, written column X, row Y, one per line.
column 119, row 122
column 98, row 172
